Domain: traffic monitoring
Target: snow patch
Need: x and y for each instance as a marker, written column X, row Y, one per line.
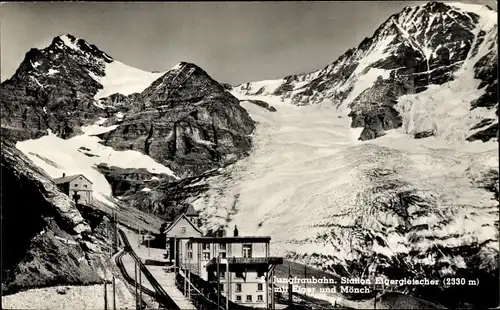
column 268, row 86
column 366, row 81
column 101, row 121
column 52, row 71
column 478, row 9
column 177, row 66
column 70, row 161
column 67, row 41
column 97, row 129
column 36, row 81
column 123, row 79
column 35, row 64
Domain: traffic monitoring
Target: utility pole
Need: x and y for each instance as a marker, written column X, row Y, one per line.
column 135, row 284
column 105, row 296
column 185, row 272
column 149, row 246
column 227, row 281
column 140, row 235
column 115, row 226
column 274, row 304
column 305, row 277
column 140, row 287
column 189, row 276
column 114, row 293
column 218, row 282
column 290, row 288
column 175, row 256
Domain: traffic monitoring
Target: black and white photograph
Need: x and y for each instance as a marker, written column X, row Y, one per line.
column 300, row 155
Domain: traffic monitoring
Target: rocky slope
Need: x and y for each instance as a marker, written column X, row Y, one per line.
column 46, row 240
column 186, row 121
column 444, row 53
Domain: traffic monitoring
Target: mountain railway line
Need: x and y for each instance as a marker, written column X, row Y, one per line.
column 129, row 279
column 159, row 293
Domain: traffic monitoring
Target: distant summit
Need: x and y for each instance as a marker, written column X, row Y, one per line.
column 413, row 52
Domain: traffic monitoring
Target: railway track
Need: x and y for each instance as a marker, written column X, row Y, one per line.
column 159, row 293
column 129, row 279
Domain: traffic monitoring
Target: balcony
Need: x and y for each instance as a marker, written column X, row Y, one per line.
column 246, row 261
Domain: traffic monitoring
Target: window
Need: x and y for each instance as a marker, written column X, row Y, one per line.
column 85, row 185
column 249, row 297
column 260, row 298
column 239, row 274
column 221, row 287
column 222, row 274
column 222, row 246
column 76, row 185
column 260, row 274
column 222, row 254
column 238, row 287
column 238, row 298
column 190, row 254
column 247, row 250
column 259, row 287
column 206, row 246
column 183, row 229
column 206, row 256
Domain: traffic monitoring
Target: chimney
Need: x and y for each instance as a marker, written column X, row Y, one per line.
column 64, row 174
column 235, row 234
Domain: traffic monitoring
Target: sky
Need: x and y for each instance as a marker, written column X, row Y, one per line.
column 234, row 42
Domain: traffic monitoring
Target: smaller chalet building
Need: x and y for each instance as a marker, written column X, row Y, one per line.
column 77, row 187
column 185, row 226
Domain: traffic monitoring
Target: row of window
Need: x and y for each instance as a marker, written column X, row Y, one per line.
column 239, row 274
column 247, row 251
column 84, row 185
column 260, row 298
column 247, row 248
column 260, row 287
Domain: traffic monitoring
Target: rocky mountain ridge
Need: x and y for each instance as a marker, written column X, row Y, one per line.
column 391, row 73
column 186, row 121
column 54, row 244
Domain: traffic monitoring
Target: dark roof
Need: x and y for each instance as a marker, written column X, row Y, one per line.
column 177, row 220
column 238, row 239
column 69, row 178
column 191, row 211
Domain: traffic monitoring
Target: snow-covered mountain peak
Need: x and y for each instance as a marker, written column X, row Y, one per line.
column 74, row 59
column 422, row 50
column 71, row 44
